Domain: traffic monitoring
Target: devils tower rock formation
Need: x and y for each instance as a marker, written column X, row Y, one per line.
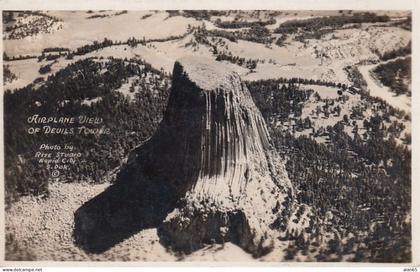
column 209, row 174
column 237, row 180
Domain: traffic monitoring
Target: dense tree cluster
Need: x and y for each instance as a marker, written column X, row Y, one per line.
column 358, row 187
column 45, row 69
column 93, row 47
column 200, row 14
column 241, row 24
column 258, row 34
column 8, row 17
column 316, row 35
column 395, row 74
column 54, row 49
column 315, row 24
column 280, row 40
column 95, row 16
column 247, row 63
column 131, row 121
column 8, row 76
column 19, row 57
column 145, row 16
column 229, row 35
column 298, row 80
column 120, row 12
column 368, row 202
column 356, row 77
column 133, row 42
column 280, row 101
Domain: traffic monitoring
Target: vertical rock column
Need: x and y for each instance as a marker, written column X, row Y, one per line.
column 213, row 148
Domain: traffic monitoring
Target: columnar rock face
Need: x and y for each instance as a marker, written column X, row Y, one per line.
column 208, row 175
column 213, row 151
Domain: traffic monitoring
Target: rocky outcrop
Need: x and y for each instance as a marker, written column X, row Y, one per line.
column 209, row 174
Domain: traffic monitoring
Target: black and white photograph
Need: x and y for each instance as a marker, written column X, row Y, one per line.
column 207, row 135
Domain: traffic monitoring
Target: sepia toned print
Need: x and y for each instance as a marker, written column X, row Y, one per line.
column 207, row 135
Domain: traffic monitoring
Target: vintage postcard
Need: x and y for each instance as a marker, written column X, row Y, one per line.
column 208, row 135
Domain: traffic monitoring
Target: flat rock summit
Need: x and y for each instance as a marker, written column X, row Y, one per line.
column 209, row 174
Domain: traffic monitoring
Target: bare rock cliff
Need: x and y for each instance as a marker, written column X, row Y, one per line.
column 219, row 154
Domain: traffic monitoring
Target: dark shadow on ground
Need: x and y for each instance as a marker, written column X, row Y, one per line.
column 116, row 214
column 138, row 199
